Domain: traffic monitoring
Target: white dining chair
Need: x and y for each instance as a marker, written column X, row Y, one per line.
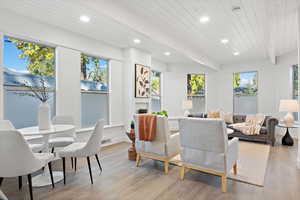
column 17, row 159
column 35, row 147
column 84, row 149
column 62, row 139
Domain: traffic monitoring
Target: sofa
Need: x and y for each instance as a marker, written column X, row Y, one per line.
column 267, row 132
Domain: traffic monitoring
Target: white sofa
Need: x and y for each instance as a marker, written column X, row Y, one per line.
column 205, row 147
column 163, row 148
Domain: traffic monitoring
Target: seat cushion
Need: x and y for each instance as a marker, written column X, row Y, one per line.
column 61, row 141
column 37, row 147
column 72, row 150
column 44, row 157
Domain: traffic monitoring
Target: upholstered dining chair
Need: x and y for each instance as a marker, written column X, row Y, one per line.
column 17, row 159
column 84, row 149
column 35, row 147
column 165, row 146
column 62, row 139
column 205, row 147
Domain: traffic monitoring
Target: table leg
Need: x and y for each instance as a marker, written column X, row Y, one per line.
column 287, row 139
column 44, row 179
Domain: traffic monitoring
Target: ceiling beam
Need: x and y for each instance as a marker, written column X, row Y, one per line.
column 149, row 30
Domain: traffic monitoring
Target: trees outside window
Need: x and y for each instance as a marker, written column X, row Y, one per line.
column 26, row 63
column 196, row 92
column 94, row 90
column 295, row 86
column 245, row 92
column 155, row 91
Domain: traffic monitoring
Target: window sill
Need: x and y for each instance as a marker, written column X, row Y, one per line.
column 88, row 129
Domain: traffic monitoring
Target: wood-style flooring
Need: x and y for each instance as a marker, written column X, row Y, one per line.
column 121, row 179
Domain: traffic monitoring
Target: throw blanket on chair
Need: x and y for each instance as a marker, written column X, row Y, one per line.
column 252, row 125
column 147, row 127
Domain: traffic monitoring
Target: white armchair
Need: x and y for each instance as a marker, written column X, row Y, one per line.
column 163, row 148
column 205, row 147
column 17, row 159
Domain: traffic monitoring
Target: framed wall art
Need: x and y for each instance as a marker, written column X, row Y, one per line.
column 142, row 81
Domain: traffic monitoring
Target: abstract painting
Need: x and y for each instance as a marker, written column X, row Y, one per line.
column 142, row 81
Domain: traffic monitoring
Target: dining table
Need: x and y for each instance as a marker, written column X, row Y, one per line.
column 43, row 179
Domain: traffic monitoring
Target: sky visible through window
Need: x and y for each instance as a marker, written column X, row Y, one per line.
column 247, row 78
column 11, row 57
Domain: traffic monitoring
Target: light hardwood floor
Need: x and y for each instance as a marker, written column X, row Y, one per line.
column 121, row 179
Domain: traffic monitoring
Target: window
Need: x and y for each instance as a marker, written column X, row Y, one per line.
column 155, row 91
column 196, row 92
column 94, row 90
column 26, row 64
column 245, row 93
column 295, row 86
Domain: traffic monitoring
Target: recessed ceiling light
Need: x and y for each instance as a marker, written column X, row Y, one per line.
column 84, row 18
column 167, row 53
column 204, row 19
column 137, row 41
column 236, row 53
column 224, row 40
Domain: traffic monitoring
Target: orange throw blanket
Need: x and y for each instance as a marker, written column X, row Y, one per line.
column 147, row 127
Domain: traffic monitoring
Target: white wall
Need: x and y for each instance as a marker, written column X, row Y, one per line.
column 131, row 57
column 116, row 98
column 68, row 97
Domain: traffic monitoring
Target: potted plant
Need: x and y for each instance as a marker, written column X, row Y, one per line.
column 40, row 93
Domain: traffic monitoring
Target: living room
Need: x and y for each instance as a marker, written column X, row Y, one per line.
column 218, row 59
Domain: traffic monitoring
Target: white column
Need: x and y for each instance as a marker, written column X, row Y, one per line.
column 116, row 99
column 68, row 96
column 1, row 77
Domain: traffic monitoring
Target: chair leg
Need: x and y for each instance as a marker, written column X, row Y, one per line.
column 224, row 183
column 52, row 150
column 20, row 182
column 75, row 167
column 98, row 161
column 64, row 169
column 1, row 180
column 30, row 186
column 182, row 172
column 51, row 174
column 138, row 159
column 72, row 162
column 166, row 167
column 235, row 169
column 90, row 170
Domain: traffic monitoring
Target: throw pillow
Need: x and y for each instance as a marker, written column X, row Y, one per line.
column 227, row 117
column 213, row 114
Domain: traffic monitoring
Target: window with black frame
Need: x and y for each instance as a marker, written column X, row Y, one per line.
column 94, row 90
column 196, row 92
column 29, row 68
column 155, row 91
column 245, row 92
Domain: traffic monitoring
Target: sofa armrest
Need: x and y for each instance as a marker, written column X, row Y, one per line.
column 173, row 145
column 232, row 153
column 271, row 125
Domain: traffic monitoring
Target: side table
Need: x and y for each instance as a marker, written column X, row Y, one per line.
column 287, row 139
